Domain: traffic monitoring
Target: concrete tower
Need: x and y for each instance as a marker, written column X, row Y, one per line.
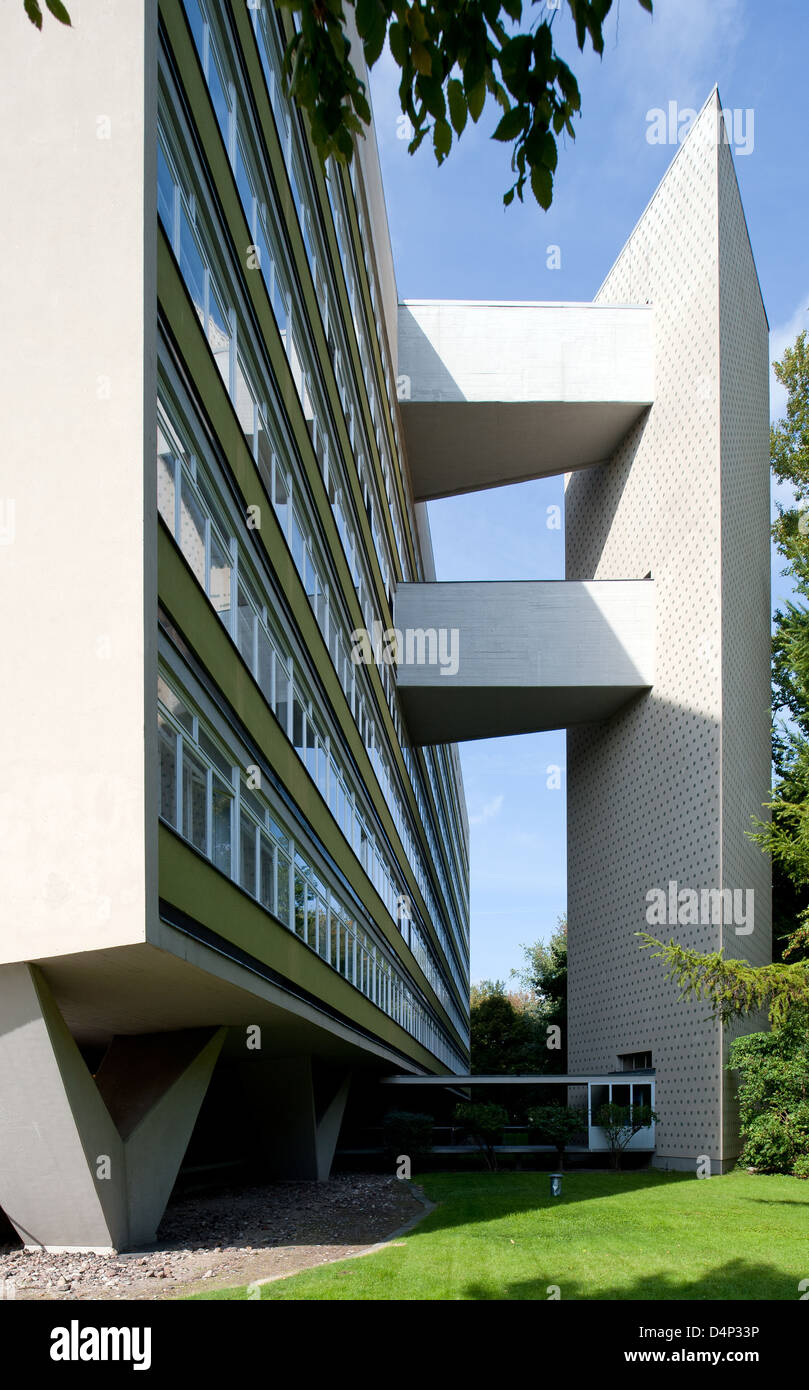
column 664, row 792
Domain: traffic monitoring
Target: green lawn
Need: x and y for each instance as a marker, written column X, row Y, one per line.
column 643, row 1235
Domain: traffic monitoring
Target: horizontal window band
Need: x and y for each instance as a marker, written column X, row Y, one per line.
column 175, row 917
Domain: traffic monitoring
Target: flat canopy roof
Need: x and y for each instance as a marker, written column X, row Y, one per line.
column 602, row 1078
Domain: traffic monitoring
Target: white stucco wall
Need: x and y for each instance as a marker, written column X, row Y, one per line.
column 77, row 283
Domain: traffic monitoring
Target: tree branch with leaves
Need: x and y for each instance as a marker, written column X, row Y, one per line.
column 733, row 988
column 55, row 7
column 453, row 60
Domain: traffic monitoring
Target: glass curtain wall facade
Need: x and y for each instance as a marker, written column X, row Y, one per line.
column 303, row 493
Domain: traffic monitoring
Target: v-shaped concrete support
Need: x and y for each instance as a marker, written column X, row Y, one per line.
column 89, row 1163
column 297, row 1111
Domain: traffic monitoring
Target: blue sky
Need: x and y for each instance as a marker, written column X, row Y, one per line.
column 452, row 239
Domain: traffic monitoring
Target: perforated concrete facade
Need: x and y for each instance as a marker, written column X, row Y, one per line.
column 665, row 790
column 744, row 413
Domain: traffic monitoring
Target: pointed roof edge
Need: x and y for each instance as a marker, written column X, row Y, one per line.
column 713, row 96
column 744, row 221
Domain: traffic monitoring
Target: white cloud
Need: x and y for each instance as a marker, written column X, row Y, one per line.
column 384, row 84
column 490, row 810
column 676, row 42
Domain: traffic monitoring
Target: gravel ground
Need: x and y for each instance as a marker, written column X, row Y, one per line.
column 230, row 1238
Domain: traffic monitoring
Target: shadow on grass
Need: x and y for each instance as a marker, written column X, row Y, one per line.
column 800, row 1201
column 484, row 1197
column 738, row 1279
column 636, row 1226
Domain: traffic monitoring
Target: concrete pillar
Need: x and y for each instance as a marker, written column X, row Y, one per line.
column 329, row 1120
column 297, row 1111
column 55, row 1131
column 87, row 1165
column 154, row 1086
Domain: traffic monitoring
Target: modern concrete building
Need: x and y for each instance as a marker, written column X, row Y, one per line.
column 654, row 652
column 235, row 846
column 227, row 868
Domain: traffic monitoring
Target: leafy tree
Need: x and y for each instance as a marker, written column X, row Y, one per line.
column 57, row 9
column 504, row 1040
column 484, row 1122
column 453, row 59
column 786, row 837
column 621, row 1123
column 559, row 1125
column 522, row 999
column 773, row 1070
column 544, row 977
column 484, row 990
column 789, row 458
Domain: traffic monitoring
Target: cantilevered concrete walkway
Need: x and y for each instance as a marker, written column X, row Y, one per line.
column 500, row 393
column 480, row 660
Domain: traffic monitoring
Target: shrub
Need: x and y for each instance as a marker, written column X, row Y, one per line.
column 484, row 1123
column 558, row 1125
column 775, row 1142
column 405, row 1132
column 621, row 1123
column 774, row 1112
